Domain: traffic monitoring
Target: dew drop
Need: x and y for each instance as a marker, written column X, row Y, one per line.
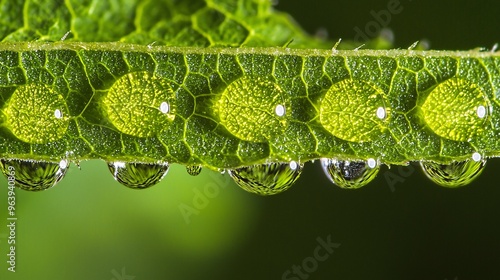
column 33, row 175
column 138, row 175
column 268, row 178
column 455, row 174
column 193, row 170
column 350, row 174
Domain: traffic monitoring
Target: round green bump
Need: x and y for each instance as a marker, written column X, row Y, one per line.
column 253, row 109
column 36, row 114
column 140, row 104
column 354, row 110
column 456, row 109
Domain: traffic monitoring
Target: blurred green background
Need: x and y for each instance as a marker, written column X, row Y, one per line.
column 90, row 227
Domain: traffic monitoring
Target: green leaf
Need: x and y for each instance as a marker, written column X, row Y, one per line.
column 211, row 84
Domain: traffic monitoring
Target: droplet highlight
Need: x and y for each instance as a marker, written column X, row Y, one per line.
column 280, row 110
column 253, row 109
column 140, row 104
column 193, row 170
column 455, row 174
column 266, row 179
column 164, row 107
column 33, row 175
column 35, row 113
column 354, row 111
column 138, row 175
column 456, row 109
column 381, row 113
column 350, row 174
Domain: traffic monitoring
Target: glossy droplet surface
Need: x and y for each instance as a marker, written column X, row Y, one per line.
column 266, row 179
column 193, row 170
column 253, row 109
column 140, row 104
column 350, row 174
column 36, row 114
column 34, row 175
column 456, row 109
column 354, row 110
column 138, row 175
column 456, row 174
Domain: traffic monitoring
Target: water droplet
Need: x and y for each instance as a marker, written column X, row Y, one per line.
column 140, row 104
column 193, row 170
column 138, row 175
column 33, row 175
column 35, row 114
column 455, row 174
column 456, row 109
column 280, row 110
column 350, row 174
column 266, row 179
column 348, row 107
column 248, row 109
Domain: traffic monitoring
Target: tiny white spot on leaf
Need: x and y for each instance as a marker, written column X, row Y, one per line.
column 280, row 110
column 164, row 107
column 481, row 112
column 381, row 113
column 476, row 157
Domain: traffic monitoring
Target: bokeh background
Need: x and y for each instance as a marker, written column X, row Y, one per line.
column 205, row 227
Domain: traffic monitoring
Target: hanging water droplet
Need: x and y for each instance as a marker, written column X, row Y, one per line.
column 455, row 174
column 138, row 175
column 193, row 170
column 33, row 175
column 267, row 179
column 350, row 174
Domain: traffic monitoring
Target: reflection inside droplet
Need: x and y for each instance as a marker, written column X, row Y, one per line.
column 266, row 179
column 138, row 175
column 193, row 170
column 33, row 175
column 455, row 174
column 350, row 174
